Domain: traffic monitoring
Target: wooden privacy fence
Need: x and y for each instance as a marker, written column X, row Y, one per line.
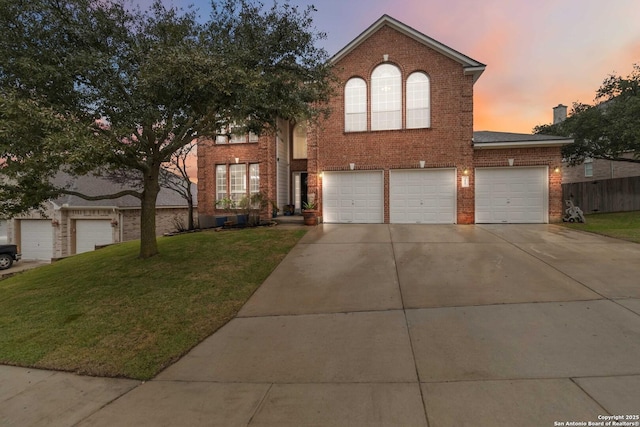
column 605, row 195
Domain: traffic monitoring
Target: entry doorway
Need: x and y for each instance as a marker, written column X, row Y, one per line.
column 300, row 189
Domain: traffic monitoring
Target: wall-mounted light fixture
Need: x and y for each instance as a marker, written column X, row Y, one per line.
column 55, row 222
column 511, row 162
column 465, row 171
column 556, row 169
column 421, row 164
column 352, row 166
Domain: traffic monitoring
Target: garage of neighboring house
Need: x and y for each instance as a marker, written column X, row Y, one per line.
column 3, row 232
column 422, row 196
column 353, row 197
column 512, row 195
column 36, row 239
column 92, row 232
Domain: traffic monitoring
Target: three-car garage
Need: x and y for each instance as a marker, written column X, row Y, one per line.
column 429, row 196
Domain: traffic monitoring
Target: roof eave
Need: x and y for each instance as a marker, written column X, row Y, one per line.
column 476, row 72
column 521, row 144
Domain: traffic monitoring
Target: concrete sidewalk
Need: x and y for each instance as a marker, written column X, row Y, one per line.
column 393, row 325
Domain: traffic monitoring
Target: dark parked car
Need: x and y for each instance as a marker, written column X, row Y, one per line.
column 8, row 254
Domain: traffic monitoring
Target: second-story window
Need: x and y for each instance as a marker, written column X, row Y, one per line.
column 232, row 135
column 418, row 101
column 355, row 105
column 300, row 141
column 386, row 98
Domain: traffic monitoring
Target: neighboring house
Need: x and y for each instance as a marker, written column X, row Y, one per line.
column 71, row 225
column 599, row 169
column 399, row 146
column 594, row 169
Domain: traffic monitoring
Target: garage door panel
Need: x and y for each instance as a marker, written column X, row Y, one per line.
column 36, row 239
column 90, row 233
column 353, row 197
column 512, row 195
column 423, row 196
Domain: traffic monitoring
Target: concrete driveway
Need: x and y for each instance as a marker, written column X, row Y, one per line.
column 401, row 325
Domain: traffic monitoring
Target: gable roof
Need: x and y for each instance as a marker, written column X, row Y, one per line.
column 94, row 185
column 471, row 66
column 489, row 139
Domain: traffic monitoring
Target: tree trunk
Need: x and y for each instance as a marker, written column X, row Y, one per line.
column 148, row 243
column 191, row 224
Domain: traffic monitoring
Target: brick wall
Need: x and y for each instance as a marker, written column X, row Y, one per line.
column 447, row 143
column 550, row 157
column 165, row 221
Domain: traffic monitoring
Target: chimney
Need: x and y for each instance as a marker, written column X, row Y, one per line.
column 559, row 113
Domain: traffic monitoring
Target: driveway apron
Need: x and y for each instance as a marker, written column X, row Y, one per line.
column 415, row 325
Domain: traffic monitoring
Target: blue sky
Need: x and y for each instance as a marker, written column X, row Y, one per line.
column 538, row 53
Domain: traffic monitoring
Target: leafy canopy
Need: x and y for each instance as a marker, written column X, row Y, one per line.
column 608, row 130
column 89, row 85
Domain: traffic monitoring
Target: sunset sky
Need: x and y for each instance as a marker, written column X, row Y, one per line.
column 538, row 53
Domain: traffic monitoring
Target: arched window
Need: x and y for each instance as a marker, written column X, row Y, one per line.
column 300, row 141
column 386, row 98
column 418, row 101
column 355, row 105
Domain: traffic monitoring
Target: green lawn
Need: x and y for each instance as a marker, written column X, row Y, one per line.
column 622, row 225
column 108, row 313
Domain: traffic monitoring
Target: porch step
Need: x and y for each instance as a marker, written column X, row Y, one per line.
column 289, row 220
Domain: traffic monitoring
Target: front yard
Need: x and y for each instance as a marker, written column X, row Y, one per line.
column 108, row 313
column 621, row 225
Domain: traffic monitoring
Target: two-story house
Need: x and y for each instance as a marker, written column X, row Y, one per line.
column 398, row 147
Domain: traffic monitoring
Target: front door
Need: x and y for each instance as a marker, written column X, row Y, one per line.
column 300, row 189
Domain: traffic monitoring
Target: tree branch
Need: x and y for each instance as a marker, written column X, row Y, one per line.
column 103, row 197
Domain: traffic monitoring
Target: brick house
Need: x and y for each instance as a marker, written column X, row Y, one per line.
column 398, row 147
column 71, row 225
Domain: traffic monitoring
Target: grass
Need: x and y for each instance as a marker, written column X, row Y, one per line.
column 621, row 225
column 108, row 313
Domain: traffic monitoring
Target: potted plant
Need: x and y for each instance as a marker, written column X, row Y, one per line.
column 274, row 209
column 289, row 209
column 309, row 213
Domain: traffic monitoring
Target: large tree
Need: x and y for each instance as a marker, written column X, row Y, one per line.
column 609, row 129
column 89, row 85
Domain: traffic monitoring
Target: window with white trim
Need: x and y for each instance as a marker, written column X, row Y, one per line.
column 228, row 135
column 254, row 178
column 355, row 105
column 233, row 182
column 418, row 102
column 386, row 98
column 588, row 167
column 300, row 141
column 237, row 181
column 221, row 182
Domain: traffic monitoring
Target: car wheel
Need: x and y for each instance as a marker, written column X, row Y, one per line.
column 5, row 261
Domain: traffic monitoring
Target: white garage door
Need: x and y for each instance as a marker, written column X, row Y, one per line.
column 353, row 197
column 92, row 232
column 36, row 239
column 422, row 196
column 3, row 232
column 512, row 195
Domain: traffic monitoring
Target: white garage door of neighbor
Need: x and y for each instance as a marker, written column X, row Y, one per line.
column 353, row 197
column 92, row 232
column 3, row 232
column 422, row 196
column 512, row 195
column 36, row 239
